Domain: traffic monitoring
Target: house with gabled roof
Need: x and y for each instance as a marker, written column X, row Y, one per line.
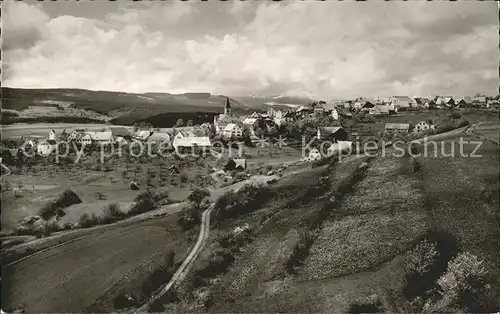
column 102, row 138
column 396, row 128
column 336, row 133
column 232, row 130
column 238, row 164
column 418, row 102
column 462, row 103
column 119, row 131
column 401, row 102
column 189, row 142
column 159, row 138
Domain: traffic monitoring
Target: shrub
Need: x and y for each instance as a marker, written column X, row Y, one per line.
column 55, row 207
column 144, row 202
column 161, row 197
column 124, row 301
column 160, row 275
column 183, row 177
column 112, row 213
column 189, row 218
column 373, row 305
column 240, row 176
column 248, row 198
column 67, row 198
column 197, row 195
column 88, row 220
column 421, row 258
column 466, row 283
column 300, row 251
column 49, row 210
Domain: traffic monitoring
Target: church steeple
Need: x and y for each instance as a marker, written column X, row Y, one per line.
column 227, row 108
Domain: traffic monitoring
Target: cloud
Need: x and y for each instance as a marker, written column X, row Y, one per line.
column 325, row 50
column 22, row 33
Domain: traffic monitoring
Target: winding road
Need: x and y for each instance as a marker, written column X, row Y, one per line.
column 182, row 271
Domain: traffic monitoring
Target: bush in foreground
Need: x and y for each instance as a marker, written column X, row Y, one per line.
column 112, row 213
column 56, row 206
column 144, row 202
column 197, row 195
column 466, row 284
column 421, row 259
column 88, row 220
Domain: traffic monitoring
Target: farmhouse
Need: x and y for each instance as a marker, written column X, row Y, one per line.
column 340, row 146
column 401, row 102
column 335, row 133
column 120, row 132
column 159, row 137
column 462, row 103
column 189, row 142
column 422, row 126
column 417, row 102
column 318, row 109
column 250, row 122
column 303, row 111
column 46, row 147
column 396, row 128
column 479, row 99
column 380, row 110
column 334, row 114
column 281, row 117
column 232, row 130
column 142, row 135
column 238, row 164
column 430, row 104
column 101, row 138
column 314, row 154
column 52, row 135
column 30, row 142
column 84, row 139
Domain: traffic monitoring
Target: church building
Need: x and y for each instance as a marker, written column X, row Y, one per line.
column 221, row 121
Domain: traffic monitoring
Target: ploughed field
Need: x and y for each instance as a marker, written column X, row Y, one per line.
column 71, row 277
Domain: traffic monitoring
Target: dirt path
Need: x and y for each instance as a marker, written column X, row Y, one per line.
column 188, row 262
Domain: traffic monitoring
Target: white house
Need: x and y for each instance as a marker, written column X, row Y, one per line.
column 250, row 122
column 401, row 102
column 159, row 137
column 102, row 138
column 142, row 135
column 75, row 135
column 52, row 135
column 334, row 114
column 232, row 130
column 184, row 133
column 339, row 147
column 396, row 128
column 188, row 142
column 422, row 126
column 46, row 147
column 314, row 154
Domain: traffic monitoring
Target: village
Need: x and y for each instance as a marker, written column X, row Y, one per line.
column 344, row 123
column 250, row 157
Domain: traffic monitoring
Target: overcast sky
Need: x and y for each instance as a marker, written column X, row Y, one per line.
column 322, row 49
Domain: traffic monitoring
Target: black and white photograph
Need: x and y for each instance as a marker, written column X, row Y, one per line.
column 250, row 156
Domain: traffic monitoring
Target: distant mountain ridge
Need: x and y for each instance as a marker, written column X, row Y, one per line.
column 108, row 105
